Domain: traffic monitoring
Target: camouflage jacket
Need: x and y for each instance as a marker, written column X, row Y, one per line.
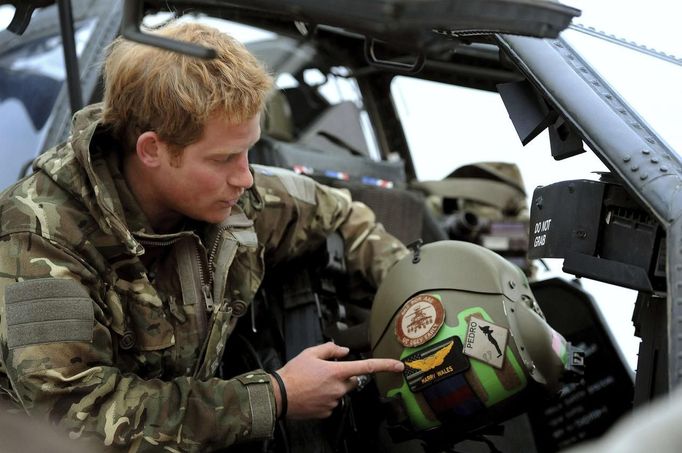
column 107, row 346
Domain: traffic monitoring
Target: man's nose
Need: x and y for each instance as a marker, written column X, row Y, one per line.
column 241, row 175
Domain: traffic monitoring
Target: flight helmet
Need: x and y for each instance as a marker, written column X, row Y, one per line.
column 473, row 339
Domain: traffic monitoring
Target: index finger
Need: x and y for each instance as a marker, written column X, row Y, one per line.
column 368, row 366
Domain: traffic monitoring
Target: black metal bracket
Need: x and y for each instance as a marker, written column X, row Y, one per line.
column 392, row 65
column 415, row 247
column 133, row 12
column 527, row 109
column 564, row 140
column 21, row 19
column 23, row 11
column 621, row 274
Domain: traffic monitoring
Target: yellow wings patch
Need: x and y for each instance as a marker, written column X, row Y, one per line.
column 431, row 361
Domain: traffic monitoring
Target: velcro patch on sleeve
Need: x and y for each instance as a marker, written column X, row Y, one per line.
column 48, row 310
column 261, row 403
column 298, row 186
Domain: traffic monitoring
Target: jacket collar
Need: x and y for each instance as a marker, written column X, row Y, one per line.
column 88, row 167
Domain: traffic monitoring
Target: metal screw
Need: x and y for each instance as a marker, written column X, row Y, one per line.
column 646, row 151
column 626, row 159
column 512, row 284
column 643, row 176
column 634, row 168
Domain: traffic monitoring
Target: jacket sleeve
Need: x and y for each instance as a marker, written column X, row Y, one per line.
column 299, row 213
column 59, row 355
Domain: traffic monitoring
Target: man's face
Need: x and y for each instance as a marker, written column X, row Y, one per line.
column 211, row 174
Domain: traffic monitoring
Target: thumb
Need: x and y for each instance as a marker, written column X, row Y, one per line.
column 329, row 350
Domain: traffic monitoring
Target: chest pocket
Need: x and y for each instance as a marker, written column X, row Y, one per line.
column 138, row 317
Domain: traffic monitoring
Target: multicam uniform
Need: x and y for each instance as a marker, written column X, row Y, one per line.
column 106, row 345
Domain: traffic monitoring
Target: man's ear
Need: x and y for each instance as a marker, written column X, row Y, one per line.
column 150, row 149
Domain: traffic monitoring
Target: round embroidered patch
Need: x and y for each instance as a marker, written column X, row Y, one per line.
column 419, row 320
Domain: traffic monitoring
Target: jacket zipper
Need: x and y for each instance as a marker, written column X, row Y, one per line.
column 214, row 248
column 205, row 279
column 151, row 242
column 206, row 283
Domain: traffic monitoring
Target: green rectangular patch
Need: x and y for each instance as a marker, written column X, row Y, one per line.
column 48, row 310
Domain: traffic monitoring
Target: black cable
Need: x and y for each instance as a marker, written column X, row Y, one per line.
column 283, row 394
